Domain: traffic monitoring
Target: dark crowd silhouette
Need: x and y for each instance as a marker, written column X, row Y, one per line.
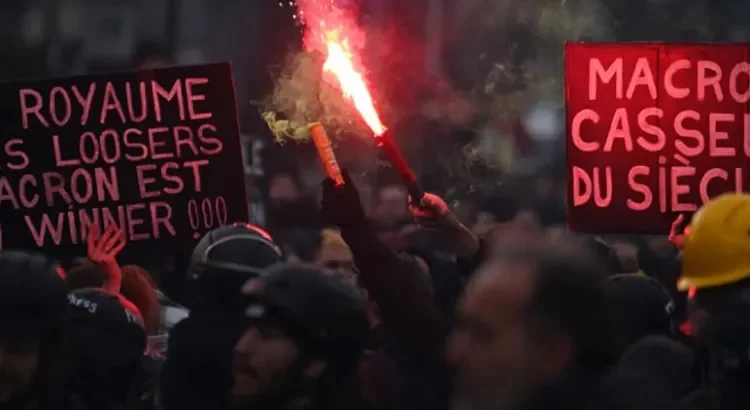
column 402, row 307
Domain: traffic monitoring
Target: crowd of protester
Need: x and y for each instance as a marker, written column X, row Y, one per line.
column 404, row 306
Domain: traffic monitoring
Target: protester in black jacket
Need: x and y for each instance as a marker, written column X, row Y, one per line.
column 416, row 326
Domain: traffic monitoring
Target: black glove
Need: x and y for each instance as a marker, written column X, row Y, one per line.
column 341, row 205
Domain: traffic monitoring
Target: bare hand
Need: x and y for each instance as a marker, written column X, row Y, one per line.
column 105, row 248
column 431, row 210
column 676, row 237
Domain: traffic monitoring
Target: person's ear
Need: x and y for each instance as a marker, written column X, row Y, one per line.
column 316, row 368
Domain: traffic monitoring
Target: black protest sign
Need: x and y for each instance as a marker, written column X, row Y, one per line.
column 156, row 152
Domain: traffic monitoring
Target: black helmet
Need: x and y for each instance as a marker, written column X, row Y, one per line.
column 244, row 245
column 642, row 306
column 327, row 312
column 225, row 258
column 33, row 295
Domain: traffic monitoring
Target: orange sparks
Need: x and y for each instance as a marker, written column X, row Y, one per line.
column 339, row 63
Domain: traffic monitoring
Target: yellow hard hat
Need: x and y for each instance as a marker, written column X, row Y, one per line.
column 717, row 249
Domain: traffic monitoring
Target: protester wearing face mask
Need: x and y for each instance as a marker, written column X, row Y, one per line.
column 307, row 330
column 32, row 317
column 288, row 206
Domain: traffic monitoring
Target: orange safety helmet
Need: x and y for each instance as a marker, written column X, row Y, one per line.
column 717, row 250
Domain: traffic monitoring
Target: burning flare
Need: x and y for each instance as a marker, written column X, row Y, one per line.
column 331, row 28
column 339, row 63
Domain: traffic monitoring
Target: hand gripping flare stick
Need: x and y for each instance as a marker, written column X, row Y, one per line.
column 398, row 162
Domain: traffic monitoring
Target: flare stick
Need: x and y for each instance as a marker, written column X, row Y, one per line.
column 398, row 162
column 325, row 151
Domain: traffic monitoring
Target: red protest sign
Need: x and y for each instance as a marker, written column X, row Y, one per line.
column 653, row 130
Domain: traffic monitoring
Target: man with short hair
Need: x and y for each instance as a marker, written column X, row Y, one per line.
column 303, row 342
column 530, row 330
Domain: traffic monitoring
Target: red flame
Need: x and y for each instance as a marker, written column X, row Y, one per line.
column 332, row 30
column 339, row 63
